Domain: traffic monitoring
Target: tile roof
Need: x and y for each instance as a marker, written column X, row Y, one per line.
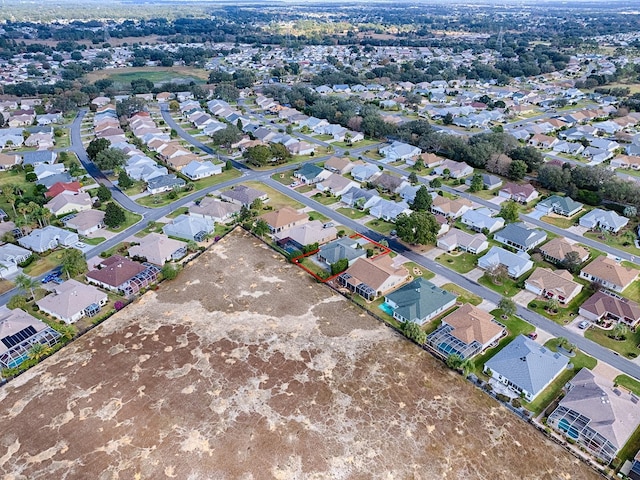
column 418, row 299
column 116, row 270
column 609, row 270
column 471, row 324
column 375, row 271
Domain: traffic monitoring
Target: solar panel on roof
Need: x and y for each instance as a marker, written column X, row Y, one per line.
column 12, row 340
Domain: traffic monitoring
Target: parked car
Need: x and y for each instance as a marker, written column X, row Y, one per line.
column 583, row 325
column 532, row 335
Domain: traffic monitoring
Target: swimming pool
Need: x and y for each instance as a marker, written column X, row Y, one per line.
column 386, row 308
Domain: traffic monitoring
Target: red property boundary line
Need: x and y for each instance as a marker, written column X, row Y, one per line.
column 296, row 260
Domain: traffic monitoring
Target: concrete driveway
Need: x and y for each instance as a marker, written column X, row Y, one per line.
column 524, row 297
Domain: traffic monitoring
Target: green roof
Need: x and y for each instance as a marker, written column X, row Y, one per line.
column 419, row 299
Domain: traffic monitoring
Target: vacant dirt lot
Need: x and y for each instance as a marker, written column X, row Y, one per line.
column 244, row 368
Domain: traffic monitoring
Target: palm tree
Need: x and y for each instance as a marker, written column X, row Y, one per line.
column 11, row 199
column 68, row 332
column 552, row 305
column 38, row 351
column 25, row 282
column 620, row 330
column 454, row 361
column 25, row 209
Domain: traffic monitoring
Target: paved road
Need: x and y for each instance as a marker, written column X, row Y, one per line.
column 78, row 148
column 524, row 217
column 535, row 319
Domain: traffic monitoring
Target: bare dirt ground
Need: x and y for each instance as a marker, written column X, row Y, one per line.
column 244, row 368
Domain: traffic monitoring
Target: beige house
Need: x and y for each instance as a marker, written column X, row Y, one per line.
column 549, row 284
column 86, row 222
column 450, row 208
column 340, row 165
column 466, row 331
column 158, row 249
column 67, row 202
column 284, row 219
column 372, row 277
column 307, row 233
column 72, row 300
column 8, row 161
column 214, row 209
column 558, row 248
column 609, row 273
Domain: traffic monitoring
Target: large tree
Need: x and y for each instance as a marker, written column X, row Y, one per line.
column 73, row 262
column 114, row 215
column 110, row 159
column 422, row 201
column 418, row 228
column 96, row 146
column 24, row 282
column 226, row 136
column 509, row 211
column 103, row 193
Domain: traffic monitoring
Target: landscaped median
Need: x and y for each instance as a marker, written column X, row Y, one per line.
column 626, row 344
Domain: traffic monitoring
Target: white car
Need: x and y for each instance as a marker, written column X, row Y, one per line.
column 80, row 245
column 583, row 325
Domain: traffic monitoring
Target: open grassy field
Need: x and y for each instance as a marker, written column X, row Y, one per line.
column 154, row 74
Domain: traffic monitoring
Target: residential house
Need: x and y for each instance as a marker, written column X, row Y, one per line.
column 626, row 161
column 310, row 174
column 389, row 183
column 159, row 249
column 11, row 137
column 343, row 248
column 58, row 188
column 39, row 157
column 459, row 240
column 453, row 169
column 9, row 161
column 603, row 220
column 196, row 170
column 46, row 170
column 430, row 160
column 388, row 210
column 336, row 184
column 243, row 195
column 550, row 284
column 419, row 301
column 362, row 173
column 399, row 151
column 482, row 220
column 526, row 367
column 283, row 219
column 67, row 202
column 517, row 264
column 489, row 182
column 604, row 305
column 359, row 198
column 214, row 210
column 556, row 250
column 450, row 208
column 596, row 414
column 72, row 300
column 86, row 222
column 50, row 180
column 520, row 236
column 609, row 273
column 19, row 332
column 10, row 256
column 521, row 193
column 466, row 332
column 565, row 206
column 340, row 165
column 164, row 183
column 48, row 238
column 543, row 141
column 372, row 277
column 308, row 233
column 189, row 228
column 120, row 274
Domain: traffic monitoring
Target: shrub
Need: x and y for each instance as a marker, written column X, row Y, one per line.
column 27, row 262
column 502, row 398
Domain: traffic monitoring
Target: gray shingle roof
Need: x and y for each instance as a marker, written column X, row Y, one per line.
column 419, row 299
column 527, row 364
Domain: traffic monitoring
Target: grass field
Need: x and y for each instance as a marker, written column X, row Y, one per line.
column 323, row 199
column 352, row 213
column 627, row 347
column 507, row 288
column 276, row 199
column 44, row 264
column 461, row 263
column 153, row 74
column 380, row 226
column 130, row 219
column 629, row 383
column 424, row 273
column 463, row 295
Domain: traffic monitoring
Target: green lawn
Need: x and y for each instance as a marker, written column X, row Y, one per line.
column 13, row 177
column 44, row 263
column 463, row 295
column 285, row 178
column 324, row 199
column 549, row 394
column 352, row 213
column 178, row 211
column 92, row 241
column 137, row 187
column 315, row 268
column 561, row 222
column 119, row 249
column 515, row 326
column 318, row 216
column 374, row 308
column 361, row 143
column 152, row 227
column 461, row 262
column 630, row 448
column 130, row 219
column 276, row 199
column 424, row 273
column 565, row 315
column 373, row 154
column 380, row 226
column 508, row 287
column 632, row 292
column 629, row 383
column 617, row 241
column 627, row 347
column 226, row 175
